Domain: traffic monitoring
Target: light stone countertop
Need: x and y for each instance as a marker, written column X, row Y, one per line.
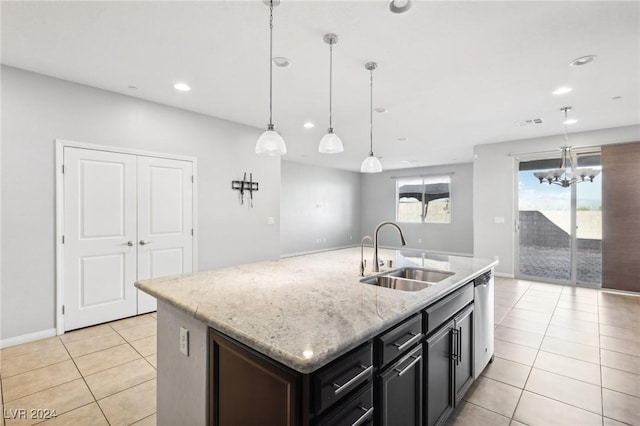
column 306, row 311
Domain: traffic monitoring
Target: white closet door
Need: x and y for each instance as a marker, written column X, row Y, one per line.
column 99, row 237
column 165, row 203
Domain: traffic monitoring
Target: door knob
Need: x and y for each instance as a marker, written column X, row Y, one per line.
column 129, row 243
column 143, row 242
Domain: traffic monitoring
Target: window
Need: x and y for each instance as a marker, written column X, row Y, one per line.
column 423, row 199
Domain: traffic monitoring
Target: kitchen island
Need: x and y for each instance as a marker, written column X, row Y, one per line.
column 299, row 315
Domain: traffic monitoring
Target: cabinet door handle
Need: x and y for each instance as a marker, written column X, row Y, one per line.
column 341, row 388
column 143, row 242
column 363, row 418
column 415, row 337
column 454, row 345
column 459, row 346
column 416, row 359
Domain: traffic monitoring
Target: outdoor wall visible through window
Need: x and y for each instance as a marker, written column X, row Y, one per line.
column 423, row 199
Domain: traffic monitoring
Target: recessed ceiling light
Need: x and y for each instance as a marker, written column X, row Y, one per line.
column 183, row 87
column 281, row 61
column 583, row 60
column 402, row 139
column 380, row 109
column 570, row 121
column 400, row 6
column 309, row 125
column 562, row 90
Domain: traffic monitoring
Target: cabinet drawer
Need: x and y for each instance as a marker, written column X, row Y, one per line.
column 342, row 376
column 441, row 311
column 356, row 411
column 395, row 342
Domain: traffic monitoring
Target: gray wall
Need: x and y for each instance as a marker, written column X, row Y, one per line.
column 378, row 204
column 494, row 188
column 319, row 208
column 37, row 109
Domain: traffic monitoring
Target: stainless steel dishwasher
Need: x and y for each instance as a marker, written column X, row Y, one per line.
column 483, row 326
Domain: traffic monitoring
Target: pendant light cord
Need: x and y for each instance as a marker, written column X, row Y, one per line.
column 330, row 83
column 271, row 64
column 371, row 115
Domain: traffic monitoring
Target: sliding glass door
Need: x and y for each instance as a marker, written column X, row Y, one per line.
column 559, row 228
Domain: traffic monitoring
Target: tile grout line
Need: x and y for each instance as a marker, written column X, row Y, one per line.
column 43, row 389
column 511, row 419
column 534, row 360
column 86, row 384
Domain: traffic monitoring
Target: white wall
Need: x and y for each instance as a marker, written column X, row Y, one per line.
column 319, row 208
column 378, row 204
column 494, row 187
column 37, row 109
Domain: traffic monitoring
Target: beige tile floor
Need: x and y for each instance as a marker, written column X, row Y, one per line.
column 563, row 356
column 102, row 375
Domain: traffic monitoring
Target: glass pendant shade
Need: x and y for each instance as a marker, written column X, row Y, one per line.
column 330, row 144
column 271, row 143
column 371, row 164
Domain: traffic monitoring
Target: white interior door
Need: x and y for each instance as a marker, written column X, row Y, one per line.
column 165, row 204
column 100, row 258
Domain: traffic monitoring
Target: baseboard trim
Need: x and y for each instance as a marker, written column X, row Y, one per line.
column 303, row 253
column 503, row 275
column 26, row 338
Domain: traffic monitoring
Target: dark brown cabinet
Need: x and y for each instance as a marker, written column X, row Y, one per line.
column 448, row 366
column 249, row 389
column 412, row 374
column 438, row 350
column 399, row 388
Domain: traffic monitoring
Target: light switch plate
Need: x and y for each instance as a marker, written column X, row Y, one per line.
column 184, row 341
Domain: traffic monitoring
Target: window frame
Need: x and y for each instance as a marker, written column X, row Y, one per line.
column 425, row 180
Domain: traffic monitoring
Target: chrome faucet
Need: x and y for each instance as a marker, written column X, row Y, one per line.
column 376, row 266
column 362, row 261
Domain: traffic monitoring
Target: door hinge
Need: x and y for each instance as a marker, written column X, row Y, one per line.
column 62, row 309
column 63, row 169
column 192, row 179
column 192, row 232
column 63, row 239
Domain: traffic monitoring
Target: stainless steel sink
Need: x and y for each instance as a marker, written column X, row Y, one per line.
column 396, row 283
column 418, row 274
column 407, row 279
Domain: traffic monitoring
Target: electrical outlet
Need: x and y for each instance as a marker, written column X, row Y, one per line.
column 271, row 220
column 184, row 341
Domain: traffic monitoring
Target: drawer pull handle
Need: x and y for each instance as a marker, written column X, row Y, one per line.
column 363, row 418
column 416, row 359
column 411, row 341
column 341, row 388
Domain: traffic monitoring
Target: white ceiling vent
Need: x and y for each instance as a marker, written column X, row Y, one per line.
column 532, row 122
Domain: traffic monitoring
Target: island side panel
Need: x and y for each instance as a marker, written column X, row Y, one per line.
column 182, row 380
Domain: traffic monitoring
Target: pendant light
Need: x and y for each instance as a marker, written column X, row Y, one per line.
column 330, row 143
column 371, row 164
column 270, row 142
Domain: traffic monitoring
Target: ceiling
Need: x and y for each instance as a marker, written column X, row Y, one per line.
column 451, row 74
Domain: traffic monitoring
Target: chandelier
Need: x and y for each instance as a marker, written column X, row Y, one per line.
column 566, row 175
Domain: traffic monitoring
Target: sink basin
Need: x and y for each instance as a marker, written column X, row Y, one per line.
column 396, row 283
column 417, row 274
column 407, row 279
